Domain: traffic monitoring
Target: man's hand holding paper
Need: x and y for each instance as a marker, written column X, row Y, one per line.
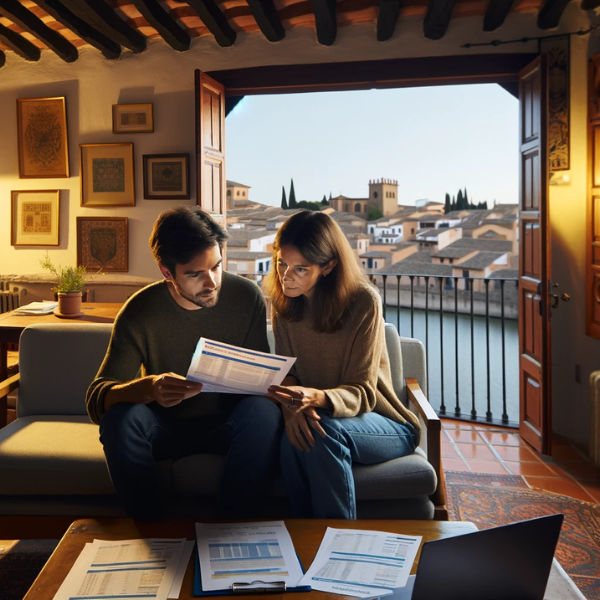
column 230, row 369
column 170, row 389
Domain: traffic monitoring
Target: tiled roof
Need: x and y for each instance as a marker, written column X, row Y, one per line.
column 411, row 267
column 236, row 184
column 247, row 234
column 246, row 255
column 505, row 274
column 480, row 261
column 471, row 244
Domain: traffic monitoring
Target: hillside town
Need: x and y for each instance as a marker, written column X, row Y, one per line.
column 420, row 240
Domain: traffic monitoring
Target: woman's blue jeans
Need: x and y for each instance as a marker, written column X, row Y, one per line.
column 135, row 437
column 319, row 483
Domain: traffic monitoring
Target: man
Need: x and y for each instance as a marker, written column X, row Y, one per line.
column 146, row 408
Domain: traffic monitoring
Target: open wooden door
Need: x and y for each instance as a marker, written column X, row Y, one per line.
column 534, row 260
column 210, row 146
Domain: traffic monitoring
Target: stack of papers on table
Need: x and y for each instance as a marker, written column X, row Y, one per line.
column 36, row 308
column 148, row 568
column 246, row 557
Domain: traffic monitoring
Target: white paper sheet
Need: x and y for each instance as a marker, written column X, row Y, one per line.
column 123, row 569
column 225, row 368
column 36, row 308
column 183, row 563
column 246, row 552
column 365, row 564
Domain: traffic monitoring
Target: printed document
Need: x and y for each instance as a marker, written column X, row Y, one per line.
column 37, row 308
column 144, row 568
column 231, row 553
column 360, row 563
column 225, row 368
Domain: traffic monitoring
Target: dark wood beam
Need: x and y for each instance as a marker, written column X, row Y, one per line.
column 2, row 58
column 511, row 87
column 231, row 102
column 378, row 74
column 26, row 20
column 437, row 18
column 589, row 4
column 19, row 45
column 325, row 20
column 102, row 17
column 267, row 18
column 389, row 11
column 79, row 27
column 155, row 14
column 215, row 21
column 496, row 13
column 550, row 14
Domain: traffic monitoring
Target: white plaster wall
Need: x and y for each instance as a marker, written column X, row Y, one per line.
column 164, row 77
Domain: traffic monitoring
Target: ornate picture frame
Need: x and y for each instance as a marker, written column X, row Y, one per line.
column 132, row 118
column 166, row 176
column 43, row 144
column 106, row 173
column 102, row 243
column 35, row 217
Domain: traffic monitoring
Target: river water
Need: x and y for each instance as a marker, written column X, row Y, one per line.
column 476, row 382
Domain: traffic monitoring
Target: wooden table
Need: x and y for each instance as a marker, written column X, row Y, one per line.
column 306, row 535
column 12, row 325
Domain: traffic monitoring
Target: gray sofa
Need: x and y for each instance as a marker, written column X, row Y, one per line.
column 52, row 463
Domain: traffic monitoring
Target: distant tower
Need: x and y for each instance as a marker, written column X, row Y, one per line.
column 383, row 193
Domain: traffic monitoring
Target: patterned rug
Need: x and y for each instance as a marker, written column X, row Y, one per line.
column 20, row 563
column 489, row 500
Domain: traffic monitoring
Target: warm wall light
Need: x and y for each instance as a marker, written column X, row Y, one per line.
column 560, row 179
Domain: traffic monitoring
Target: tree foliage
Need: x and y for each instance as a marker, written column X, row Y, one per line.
column 461, row 202
column 292, row 202
column 284, row 203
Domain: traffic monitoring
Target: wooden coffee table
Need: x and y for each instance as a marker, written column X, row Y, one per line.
column 306, row 535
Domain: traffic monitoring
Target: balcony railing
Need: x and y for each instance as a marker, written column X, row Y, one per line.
column 469, row 327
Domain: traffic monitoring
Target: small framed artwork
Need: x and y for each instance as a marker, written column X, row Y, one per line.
column 35, row 217
column 132, row 118
column 102, row 243
column 166, row 176
column 107, row 175
column 42, row 138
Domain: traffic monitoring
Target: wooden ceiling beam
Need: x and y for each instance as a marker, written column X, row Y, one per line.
column 78, row 26
column 496, row 14
column 589, row 4
column 102, row 17
column 389, row 11
column 437, row 18
column 215, row 21
column 19, row 45
column 550, row 14
column 154, row 13
column 267, row 18
column 2, row 58
column 26, row 20
column 326, row 21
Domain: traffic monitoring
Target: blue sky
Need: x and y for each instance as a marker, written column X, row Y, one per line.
column 432, row 140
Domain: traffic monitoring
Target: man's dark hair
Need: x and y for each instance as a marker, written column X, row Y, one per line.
column 181, row 233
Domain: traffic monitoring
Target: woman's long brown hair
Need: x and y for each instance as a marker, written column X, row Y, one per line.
column 320, row 240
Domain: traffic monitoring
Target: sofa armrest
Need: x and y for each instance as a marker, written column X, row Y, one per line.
column 6, row 387
column 414, row 362
column 432, row 442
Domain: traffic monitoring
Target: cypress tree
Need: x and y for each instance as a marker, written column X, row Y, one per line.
column 460, row 201
column 467, row 203
column 453, row 203
column 324, row 201
column 447, row 207
column 292, row 203
column 284, row 203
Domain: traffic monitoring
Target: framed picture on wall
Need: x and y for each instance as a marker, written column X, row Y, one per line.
column 107, row 175
column 102, row 243
column 42, row 138
column 35, row 217
column 166, row 176
column 133, row 118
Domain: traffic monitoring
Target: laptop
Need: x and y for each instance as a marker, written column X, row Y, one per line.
column 509, row 562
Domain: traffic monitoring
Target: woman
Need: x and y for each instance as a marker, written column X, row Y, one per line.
column 327, row 315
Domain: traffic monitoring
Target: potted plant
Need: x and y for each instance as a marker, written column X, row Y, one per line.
column 70, row 282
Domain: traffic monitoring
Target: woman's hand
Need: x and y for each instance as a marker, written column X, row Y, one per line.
column 297, row 398
column 298, row 425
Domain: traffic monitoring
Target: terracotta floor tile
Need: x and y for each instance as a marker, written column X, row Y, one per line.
column 530, row 468
column 560, row 486
column 516, row 453
column 455, row 464
column 593, row 489
column 582, row 471
column 450, row 424
column 496, row 438
column 478, row 451
column 488, row 466
column 464, row 435
column 449, row 450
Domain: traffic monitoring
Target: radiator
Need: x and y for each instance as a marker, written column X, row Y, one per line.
column 595, row 414
column 8, row 301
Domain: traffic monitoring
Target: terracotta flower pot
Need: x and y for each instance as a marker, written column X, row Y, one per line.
column 69, row 305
